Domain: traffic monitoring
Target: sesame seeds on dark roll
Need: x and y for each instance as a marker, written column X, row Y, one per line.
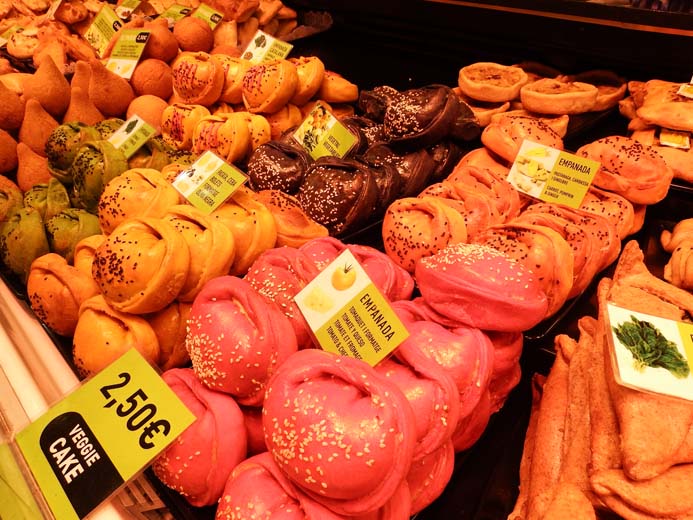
column 277, row 165
column 421, row 117
column 340, row 194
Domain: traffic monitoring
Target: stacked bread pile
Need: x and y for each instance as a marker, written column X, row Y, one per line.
column 656, row 105
column 535, row 89
column 593, row 445
column 564, row 248
column 305, row 417
column 231, row 106
column 403, row 141
column 62, row 34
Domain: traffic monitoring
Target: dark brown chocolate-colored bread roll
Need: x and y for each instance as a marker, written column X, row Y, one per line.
column 374, row 103
column 421, row 116
column 340, row 194
column 415, row 168
column 277, row 165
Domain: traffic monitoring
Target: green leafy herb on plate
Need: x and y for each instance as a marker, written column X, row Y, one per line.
column 650, row 348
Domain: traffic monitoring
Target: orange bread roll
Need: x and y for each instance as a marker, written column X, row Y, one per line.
column 234, row 70
column 178, row 123
column 56, row 290
column 103, row 334
column 227, row 135
column 311, row 71
column 210, row 243
column 269, row 86
column 197, row 78
column 142, row 266
column 417, row 227
column 139, row 192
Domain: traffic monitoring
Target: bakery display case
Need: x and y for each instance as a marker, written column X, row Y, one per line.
column 390, row 50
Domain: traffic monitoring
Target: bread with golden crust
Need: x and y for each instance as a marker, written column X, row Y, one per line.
column 492, row 82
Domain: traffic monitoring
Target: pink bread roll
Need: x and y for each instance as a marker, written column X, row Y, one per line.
column 393, row 281
column 432, row 394
column 507, row 349
column 399, row 507
column 257, row 489
column 253, row 430
column 279, row 274
column 237, row 339
column 428, row 476
column 466, row 353
column 200, row 460
column 339, row 431
column 482, row 287
column 470, row 429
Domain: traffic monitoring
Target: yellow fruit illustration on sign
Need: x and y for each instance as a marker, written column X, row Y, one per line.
column 343, row 277
column 318, row 300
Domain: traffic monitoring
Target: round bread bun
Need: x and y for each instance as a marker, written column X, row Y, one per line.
column 482, row 287
column 551, row 96
column 230, row 320
column 487, row 81
column 200, row 462
column 234, row 70
column 193, row 34
column 152, row 76
column 612, row 87
column 142, row 265
column 342, row 395
column 558, row 123
column 178, row 124
column 161, row 44
column 148, row 107
column 56, row 290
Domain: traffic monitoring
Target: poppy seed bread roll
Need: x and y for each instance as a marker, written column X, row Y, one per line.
column 198, row 79
column 142, row 265
column 269, row 86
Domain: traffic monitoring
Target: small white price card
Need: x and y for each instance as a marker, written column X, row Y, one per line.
column 651, row 353
column 209, row 15
column 322, row 134
column 347, row 313
column 102, row 29
column 101, row 435
column 208, row 182
column 132, row 135
column 552, row 175
column 127, row 51
column 264, row 47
